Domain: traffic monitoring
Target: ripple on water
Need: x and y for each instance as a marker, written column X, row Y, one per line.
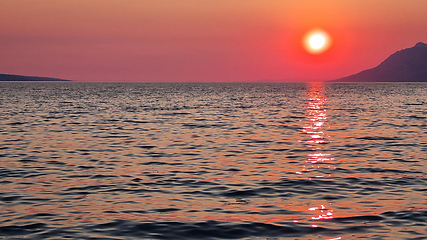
column 212, row 161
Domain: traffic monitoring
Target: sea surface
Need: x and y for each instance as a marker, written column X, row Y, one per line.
column 213, row 160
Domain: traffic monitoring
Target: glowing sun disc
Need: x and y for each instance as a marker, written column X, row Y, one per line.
column 316, row 41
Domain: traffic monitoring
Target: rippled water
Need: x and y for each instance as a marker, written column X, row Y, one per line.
column 213, row 161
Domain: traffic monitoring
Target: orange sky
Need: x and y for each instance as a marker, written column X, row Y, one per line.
column 193, row 40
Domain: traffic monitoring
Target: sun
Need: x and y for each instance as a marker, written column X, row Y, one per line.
column 316, row 41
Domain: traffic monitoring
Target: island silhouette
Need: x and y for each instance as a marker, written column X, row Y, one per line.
column 407, row 65
column 11, row 77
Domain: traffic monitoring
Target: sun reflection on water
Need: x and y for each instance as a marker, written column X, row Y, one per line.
column 316, row 117
column 315, row 126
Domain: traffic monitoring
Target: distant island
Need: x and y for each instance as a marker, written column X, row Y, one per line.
column 407, row 65
column 20, row 78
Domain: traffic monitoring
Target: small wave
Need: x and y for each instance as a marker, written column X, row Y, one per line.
column 14, row 230
column 381, row 138
column 200, row 230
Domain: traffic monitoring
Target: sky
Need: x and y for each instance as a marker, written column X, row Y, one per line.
column 203, row 41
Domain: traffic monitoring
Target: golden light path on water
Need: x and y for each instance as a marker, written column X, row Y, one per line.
column 314, row 127
column 316, row 117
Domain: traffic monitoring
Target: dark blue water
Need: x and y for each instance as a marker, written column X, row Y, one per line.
column 213, row 161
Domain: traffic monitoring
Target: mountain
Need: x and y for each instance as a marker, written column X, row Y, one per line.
column 10, row 77
column 407, row 65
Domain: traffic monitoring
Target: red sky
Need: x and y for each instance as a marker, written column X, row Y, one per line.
column 194, row 40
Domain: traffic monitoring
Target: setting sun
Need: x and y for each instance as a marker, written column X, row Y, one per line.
column 316, row 41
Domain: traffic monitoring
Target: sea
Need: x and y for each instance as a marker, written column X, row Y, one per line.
column 258, row 161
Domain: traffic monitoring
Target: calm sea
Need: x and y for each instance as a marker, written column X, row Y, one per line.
column 213, row 160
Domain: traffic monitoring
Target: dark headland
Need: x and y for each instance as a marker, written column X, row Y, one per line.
column 407, row 65
column 20, row 78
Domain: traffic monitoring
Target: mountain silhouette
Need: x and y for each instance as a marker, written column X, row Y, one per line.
column 11, row 77
column 407, row 65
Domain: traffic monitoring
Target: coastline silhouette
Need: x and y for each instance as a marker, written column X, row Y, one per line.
column 12, row 77
column 407, row 65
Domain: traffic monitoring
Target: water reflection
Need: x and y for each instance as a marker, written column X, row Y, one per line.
column 315, row 126
column 316, row 117
column 324, row 213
